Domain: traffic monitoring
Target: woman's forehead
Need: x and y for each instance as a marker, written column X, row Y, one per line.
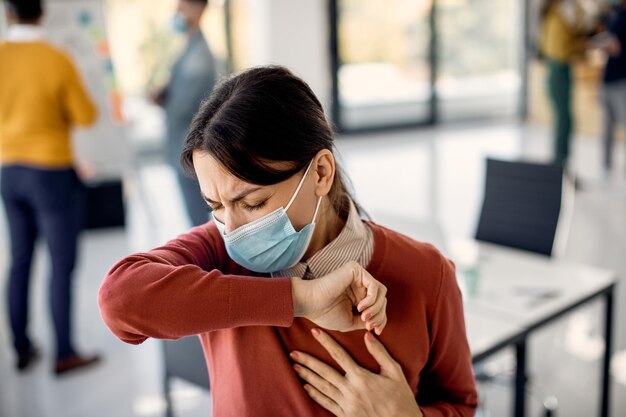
column 204, row 161
column 216, row 182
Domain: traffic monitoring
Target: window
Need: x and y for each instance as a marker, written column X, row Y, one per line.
column 383, row 65
column 479, row 58
column 411, row 62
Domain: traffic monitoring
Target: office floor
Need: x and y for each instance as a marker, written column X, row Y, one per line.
column 436, row 174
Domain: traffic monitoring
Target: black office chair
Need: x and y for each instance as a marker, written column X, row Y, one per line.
column 183, row 359
column 521, row 206
column 521, row 209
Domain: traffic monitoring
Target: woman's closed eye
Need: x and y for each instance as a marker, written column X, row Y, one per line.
column 253, row 207
column 214, row 207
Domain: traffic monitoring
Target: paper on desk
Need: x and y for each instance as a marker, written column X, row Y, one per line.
column 520, row 298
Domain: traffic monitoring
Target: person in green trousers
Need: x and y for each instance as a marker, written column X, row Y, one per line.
column 560, row 92
column 562, row 39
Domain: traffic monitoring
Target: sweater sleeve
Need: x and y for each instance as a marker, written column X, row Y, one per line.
column 178, row 290
column 79, row 108
column 447, row 386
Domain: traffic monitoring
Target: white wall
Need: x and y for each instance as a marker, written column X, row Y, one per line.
column 293, row 33
column 3, row 20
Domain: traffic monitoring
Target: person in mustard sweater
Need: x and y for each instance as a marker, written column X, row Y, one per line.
column 302, row 308
column 562, row 40
column 41, row 99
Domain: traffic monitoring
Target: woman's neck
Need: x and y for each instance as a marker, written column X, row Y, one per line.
column 328, row 225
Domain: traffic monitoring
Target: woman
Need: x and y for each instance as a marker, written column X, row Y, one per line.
column 286, row 255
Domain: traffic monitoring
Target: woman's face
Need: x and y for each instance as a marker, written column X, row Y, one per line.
column 236, row 202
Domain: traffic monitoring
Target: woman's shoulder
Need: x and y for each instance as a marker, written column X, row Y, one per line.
column 408, row 266
column 396, row 249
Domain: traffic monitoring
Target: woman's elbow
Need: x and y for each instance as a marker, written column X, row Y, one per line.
column 113, row 304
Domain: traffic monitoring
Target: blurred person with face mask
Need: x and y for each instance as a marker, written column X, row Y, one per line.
column 192, row 78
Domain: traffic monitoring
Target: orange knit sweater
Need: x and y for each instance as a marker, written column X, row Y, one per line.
column 246, row 326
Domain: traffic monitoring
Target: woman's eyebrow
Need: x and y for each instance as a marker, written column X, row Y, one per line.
column 240, row 196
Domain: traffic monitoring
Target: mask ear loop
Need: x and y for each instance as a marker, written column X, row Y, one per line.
column 295, row 194
column 319, row 200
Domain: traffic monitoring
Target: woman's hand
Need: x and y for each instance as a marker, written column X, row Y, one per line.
column 358, row 393
column 330, row 301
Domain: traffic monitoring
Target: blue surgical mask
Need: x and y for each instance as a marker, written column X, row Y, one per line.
column 270, row 243
column 179, row 23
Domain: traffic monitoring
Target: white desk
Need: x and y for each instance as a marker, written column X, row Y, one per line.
column 488, row 334
column 526, row 288
column 510, row 293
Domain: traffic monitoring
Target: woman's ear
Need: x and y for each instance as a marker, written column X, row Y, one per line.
column 324, row 167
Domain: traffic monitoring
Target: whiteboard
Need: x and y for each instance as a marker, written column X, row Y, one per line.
column 78, row 27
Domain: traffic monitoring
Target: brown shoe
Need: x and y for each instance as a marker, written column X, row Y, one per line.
column 75, row 362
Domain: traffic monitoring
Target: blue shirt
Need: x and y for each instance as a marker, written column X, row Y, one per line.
column 193, row 76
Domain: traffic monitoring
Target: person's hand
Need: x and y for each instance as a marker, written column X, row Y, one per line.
column 157, row 95
column 607, row 43
column 358, row 393
column 85, row 170
column 613, row 47
column 329, row 301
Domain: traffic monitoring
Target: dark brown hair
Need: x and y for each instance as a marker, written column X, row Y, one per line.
column 26, row 11
column 262, row 116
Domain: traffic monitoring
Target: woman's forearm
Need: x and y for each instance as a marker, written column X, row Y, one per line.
column 142, row 296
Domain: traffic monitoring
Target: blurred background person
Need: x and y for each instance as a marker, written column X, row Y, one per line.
column 613, row 90
column 562, row 40
column 41, row 99
column 192, row 78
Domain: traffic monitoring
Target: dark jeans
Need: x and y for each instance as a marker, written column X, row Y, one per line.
column 560, row 92
column 47, row 203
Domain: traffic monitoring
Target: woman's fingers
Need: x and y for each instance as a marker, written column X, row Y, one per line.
column 388, row 365
column 379, row 329
column 373, row 306
column 378, row 321
column 317, row 382
column 323, row 400
column 322, row 369
column 375, row 315
column 373, row 287
column 336, row 351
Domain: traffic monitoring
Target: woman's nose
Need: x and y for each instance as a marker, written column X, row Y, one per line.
column 231, row 222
